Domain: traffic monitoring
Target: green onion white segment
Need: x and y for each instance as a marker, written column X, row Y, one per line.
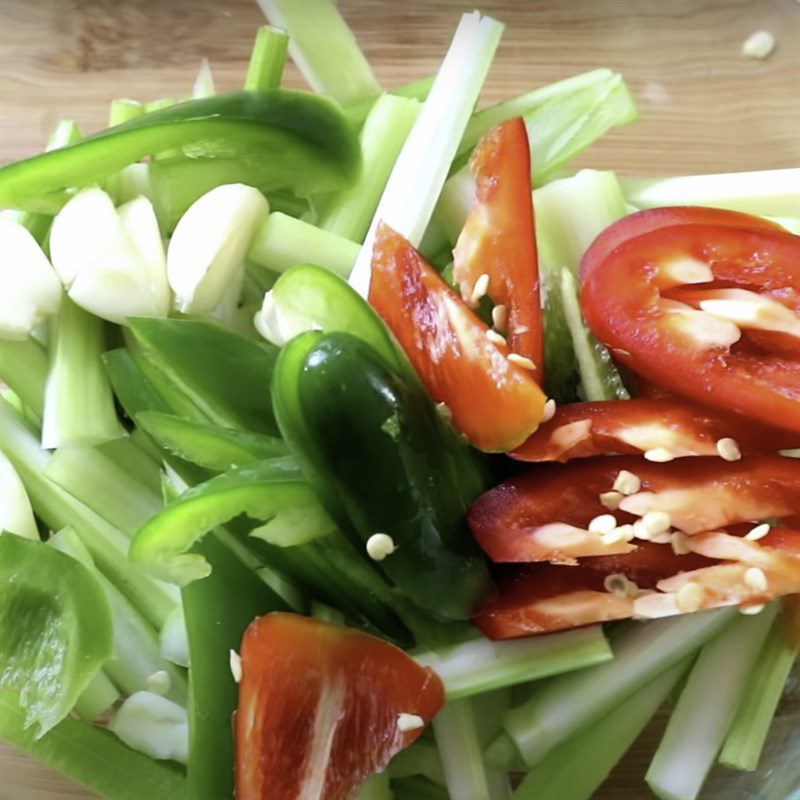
column 421, row 169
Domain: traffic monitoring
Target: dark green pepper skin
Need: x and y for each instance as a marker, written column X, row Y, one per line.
column 383, row 461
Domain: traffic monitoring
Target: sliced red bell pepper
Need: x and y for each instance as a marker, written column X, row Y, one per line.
column 541, row 598
column 494, row 402
column 544, row 514
column 498, row 240
column 683, row 428
column 727, row 356
column 319, row 706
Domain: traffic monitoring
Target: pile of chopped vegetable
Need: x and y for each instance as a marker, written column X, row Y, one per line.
column 353, row 447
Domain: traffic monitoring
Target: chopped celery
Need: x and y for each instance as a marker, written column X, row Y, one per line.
column 706, row 707
column 78, row 404
column 327, row 613
column 96, row 698
column 792, row 224
column 418, row 787
column 92, row 756
column 23, row 368
column 224, row 375
column 204, row 82
column 769, row 193
column 58, row 509
column 136, row 455
column 598, row 375
column 356, row 113
column 209, row 446
column 124, row 110
column 760, row 696
column 570, row 213
column 420, row 758
column 422, row 166
column 272, row 491
column 16, row 515
column 350, row 212
column 267, row 59
column 324, row 48
column 577, row 767
column 460, row 749
column 103, row 486
column 218, row 609
column 566, row 704
column 376, row 787
column 136, row 653
column 489, row 709
column 482, row 665
column 283, row 242
column 56, row 629
column 523, row 104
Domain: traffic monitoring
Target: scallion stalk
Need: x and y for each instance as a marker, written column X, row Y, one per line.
column 706, row 708
column 267, row 59
column 23, row 368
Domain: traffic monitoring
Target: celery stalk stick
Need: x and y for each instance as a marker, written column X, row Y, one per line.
column 566, row 704
column 357, row 113
column 707, row 705
column 283, row 242
column 576, row 768
column 78, row 403
column 762, row 692
column 460, row 749
column 267, row 59
column 420, row 758
column 97, row 697
column 349, row 213
column 324, row 48
column 771, row 192
column 204, row 82
column 23, row 368
column 123, row 110
column 132, row 454
column 482, row 665
column 422, row 166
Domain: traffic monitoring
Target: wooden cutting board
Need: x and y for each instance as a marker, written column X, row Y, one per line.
column 704, row 107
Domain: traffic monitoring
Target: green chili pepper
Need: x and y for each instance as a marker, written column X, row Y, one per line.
column 271, row 491
column 55, row 629
column 382, row 461
column 277, row 138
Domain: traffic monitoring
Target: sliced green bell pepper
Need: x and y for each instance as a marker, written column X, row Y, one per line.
column 271, row 491
column 55, row 629
column 382, row 461
column 277, row 138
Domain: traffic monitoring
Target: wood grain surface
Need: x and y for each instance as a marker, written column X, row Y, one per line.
column 704, row 107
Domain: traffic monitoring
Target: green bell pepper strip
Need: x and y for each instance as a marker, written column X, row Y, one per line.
column 280, row 138
column 375, row 449
column 55, row 629
column 92, row 756
column 272, row 491
column 217, row 610
column 224, row 375
column 209, row 446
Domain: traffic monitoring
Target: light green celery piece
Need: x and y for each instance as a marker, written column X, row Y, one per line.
column 767, row 193
column 558, row 130
column 124, row 110
column 376, row 787
column 16, row 514
column 482, row 665
column 456, row 733
column 136, row 652
column 55, row 629
column 137, row 457
column 324, row 49
column 267, row 59
column 760, row 697
column 599, row 377
column 209, row 446
column 570, row 213
column 706, row 708
column 204, row 82
column 420, row 758
column 283, row 242
column 326, row 613
column 792, row 224
column 58, row 509
column 350, row 212
column 489, row 709
column 421, row 168
column 565, row 705
column 105, row 487
column 356, row 113
column 92, row 756
column 96, row 698
column 578, row 766
column 485, row 119
column 134, row 181
column 157, row 105
column 289, row 592
column 78, row 403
